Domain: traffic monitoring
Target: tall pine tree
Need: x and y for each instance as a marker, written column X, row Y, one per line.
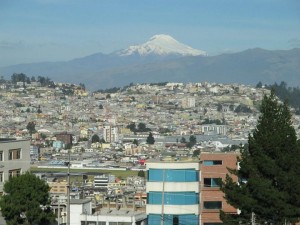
column 269, row 173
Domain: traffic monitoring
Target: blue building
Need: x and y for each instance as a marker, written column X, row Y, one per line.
column 173, row 192
column 58, row 145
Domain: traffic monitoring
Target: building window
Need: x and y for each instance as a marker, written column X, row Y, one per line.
column 101, row 223
column 14, row 154
column 14, row 173
column 1, row 156
column 173, row 175
column 212, row 182
column 183, row 219
column 175, row 220
column 212, row 162
column 173, row 198
column 1, row 177
column 212, row 205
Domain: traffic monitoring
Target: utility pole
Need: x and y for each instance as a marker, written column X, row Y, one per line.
column 58, row 212
column 253, row 220
column 163, row 199
column 68, row 191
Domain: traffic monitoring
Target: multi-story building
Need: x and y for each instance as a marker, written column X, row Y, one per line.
column 110, row 134
column 213, row 129
column 65, row 137
column 102, row 181
column 188, row 102
column 173, row 192
column 213, row 168
column 14, row 158
column 34, row 152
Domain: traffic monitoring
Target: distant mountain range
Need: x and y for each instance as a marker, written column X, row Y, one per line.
column 161, row 59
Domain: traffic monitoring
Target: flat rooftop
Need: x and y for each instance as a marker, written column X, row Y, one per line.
column 118, row 212
column 173, row 160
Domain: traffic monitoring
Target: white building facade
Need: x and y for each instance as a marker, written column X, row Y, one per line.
column 110, row 134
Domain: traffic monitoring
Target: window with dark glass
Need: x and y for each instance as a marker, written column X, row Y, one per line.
column 212, row 162
column 1, row 177
column 175, row 220
column 212, row 182
column 212, row 205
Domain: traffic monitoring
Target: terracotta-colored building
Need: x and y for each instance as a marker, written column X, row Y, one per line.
column 64, row 137
column 213, row 167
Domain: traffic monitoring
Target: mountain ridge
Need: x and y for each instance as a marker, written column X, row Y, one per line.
column 100, row 70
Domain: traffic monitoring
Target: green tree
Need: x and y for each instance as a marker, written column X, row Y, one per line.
column 269, row 178
column 141, row 127
column 259, row 84
column 39, row 109
column 95, row 138
column 31, row 127
column 150, row 139
column 193, row 140
column 183, row 140
column 82, row 86
column 196, row 153
column 26, row 201
column 141, row 173
column 132, row 127
column 136, row 142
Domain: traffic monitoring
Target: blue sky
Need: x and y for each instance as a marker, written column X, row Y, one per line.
column 54, row 30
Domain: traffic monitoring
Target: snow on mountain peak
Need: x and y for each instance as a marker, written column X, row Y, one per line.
column 163, row 45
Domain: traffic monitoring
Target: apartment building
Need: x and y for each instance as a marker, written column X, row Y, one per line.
column 14, row 158
column 173, row 192
column 213, row 168
column 65, row 137
column 213, row 129
column 188, row 102
column 110, row 134
column 103, row 181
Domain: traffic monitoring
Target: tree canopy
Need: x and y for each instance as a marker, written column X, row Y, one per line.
column 26, row 201
column 31, row 127
column 140, row 128
column 150, row 139
column 95, row 138
column 269, row 173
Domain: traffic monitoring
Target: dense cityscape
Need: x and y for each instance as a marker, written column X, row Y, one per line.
column 114, row 141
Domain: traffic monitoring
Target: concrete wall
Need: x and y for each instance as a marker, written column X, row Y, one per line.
column 6, row 165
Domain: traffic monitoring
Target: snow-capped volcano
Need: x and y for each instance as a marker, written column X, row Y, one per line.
column 161, row 45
